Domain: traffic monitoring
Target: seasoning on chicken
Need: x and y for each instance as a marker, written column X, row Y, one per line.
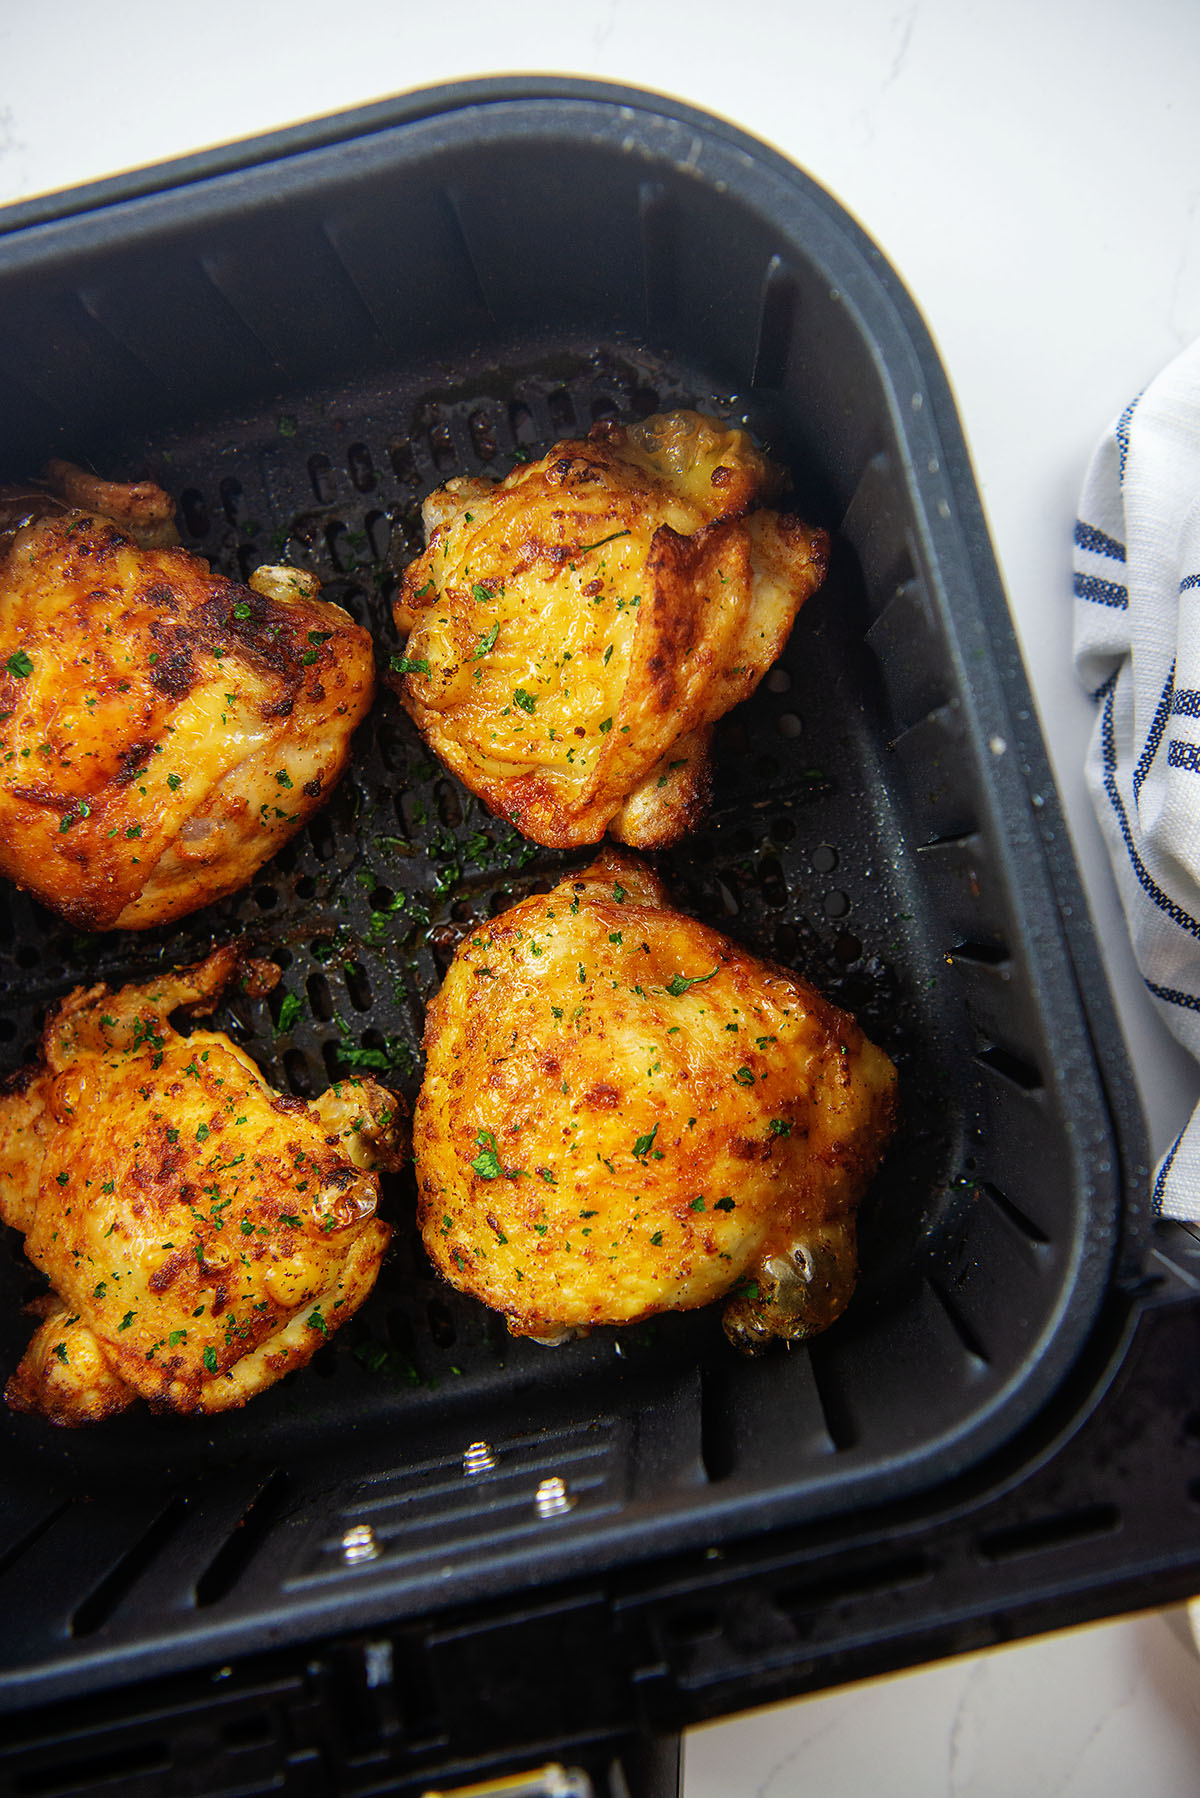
column 163, row 730
column 624, row 1113
column 202, row 1234
column 577, row 629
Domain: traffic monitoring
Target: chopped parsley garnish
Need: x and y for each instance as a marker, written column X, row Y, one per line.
column 316, row 1322
column 482, row 595
column 487, row 1163
column 679, row 983
column 744, row 1077
column 486, row 642
column 644, row 1144
column 290, row 1009
column 241, row 610
column 210, row 1358
column 585, row 548
column 525, row 700
column 780, row 1127
column 409, row 665
column 19, row 664
column 605, row 726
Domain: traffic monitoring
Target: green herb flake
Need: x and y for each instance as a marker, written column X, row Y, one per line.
column 291, row 1008
column 744, row 1077
column 679, row 983
column 210, row 1358
column 644, row 1144
column 19, row 664
column 409, row 665
column 525, row 700
column 487, row 1163
column 585, row 548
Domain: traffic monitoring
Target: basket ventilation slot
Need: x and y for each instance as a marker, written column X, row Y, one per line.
column 99, row 1606
column 1042, row 1533
column 231, row 1560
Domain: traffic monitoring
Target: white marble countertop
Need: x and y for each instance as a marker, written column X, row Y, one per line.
column 1033, row 174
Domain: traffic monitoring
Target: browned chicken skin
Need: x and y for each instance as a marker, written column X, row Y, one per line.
column 202, row 1234
column 625, row 1113
column 578, row 628
column 163, row 730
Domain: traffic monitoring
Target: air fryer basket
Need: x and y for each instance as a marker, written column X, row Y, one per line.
column 300, row 339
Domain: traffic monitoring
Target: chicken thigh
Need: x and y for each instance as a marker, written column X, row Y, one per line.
column 576, row 630
column 202, row 1234
column 163, row 730
column 624, row 1113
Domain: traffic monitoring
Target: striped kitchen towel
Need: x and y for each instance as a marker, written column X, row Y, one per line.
column 1137, row 648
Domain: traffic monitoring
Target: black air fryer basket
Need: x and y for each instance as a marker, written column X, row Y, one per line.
column 438, row 1553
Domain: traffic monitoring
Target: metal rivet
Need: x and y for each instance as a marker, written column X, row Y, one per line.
column 479, row 1458
column 552, row 1498
column 359, row 1544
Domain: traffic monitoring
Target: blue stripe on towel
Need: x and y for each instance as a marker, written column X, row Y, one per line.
column 1145, row 880
column 1088, row 537
column 1122, row 436
column 1105, row 593
column 1156, row 1197
column 1165, row 707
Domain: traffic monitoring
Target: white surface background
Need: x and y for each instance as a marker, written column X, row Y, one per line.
column 1032, row 171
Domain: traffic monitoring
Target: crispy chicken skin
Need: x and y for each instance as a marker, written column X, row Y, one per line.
column 577, row 629
column 625, row 1113
column 162, row 730
column 202, row 1234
